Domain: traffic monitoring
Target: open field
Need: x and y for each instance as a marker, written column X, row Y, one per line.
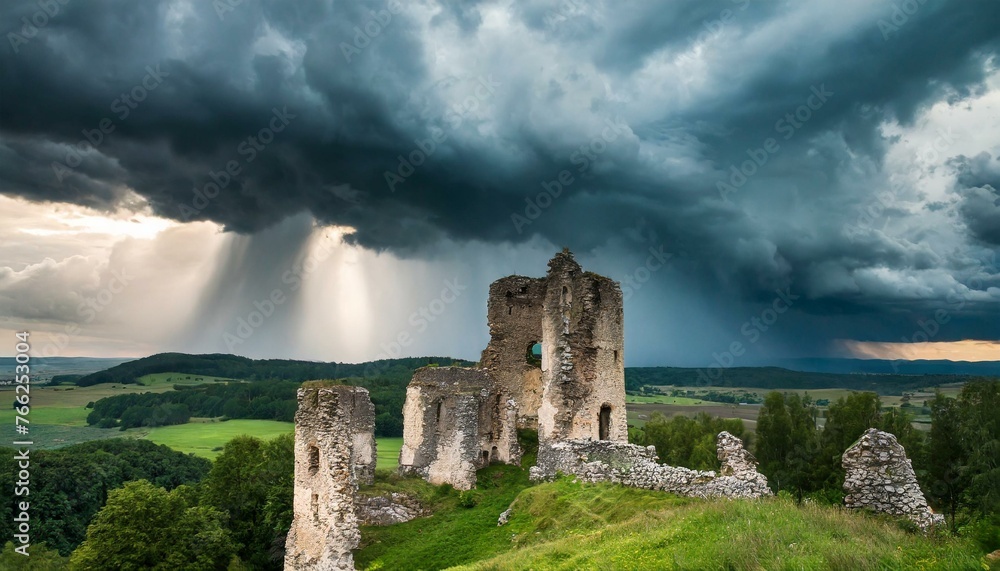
column 683, row 401
column 207, row 438
column 388, row 452
column 638, row 414
column 168, row 380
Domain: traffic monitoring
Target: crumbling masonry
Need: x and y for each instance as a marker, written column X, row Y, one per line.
column 555, row 363
column 879, row 477
column 334, row 453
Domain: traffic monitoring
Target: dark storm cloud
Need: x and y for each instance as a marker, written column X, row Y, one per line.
column 980, row 178
column 510, row 98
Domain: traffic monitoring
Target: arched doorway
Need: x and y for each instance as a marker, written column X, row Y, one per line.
column 604, row 422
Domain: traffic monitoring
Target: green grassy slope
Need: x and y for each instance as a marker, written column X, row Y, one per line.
column 565, row 525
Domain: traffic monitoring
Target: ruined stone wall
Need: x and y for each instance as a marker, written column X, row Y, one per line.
column 582, row 356
column 514, row 313
column 880, row 477
column 334, row 450
column 446, row 420
column 636, row 466
column 361, row 418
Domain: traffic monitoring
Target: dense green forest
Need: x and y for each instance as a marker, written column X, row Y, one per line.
column 69, row 485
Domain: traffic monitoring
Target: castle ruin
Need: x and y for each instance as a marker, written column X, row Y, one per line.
column 554, row 363
column 334, row 453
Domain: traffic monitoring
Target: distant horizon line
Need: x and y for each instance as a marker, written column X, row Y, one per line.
column 784, row 359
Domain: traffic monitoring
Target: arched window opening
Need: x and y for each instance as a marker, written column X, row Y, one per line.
column 533, row 356
column 604, row 421
column 437, row 413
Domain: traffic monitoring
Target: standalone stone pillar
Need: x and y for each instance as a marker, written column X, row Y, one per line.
column 334, row 451
column 880, row 477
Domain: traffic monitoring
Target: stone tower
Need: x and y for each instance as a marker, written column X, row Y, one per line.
column 583, row 371
column 334, row 452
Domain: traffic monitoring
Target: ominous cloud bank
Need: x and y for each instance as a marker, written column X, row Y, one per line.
column 806, row 147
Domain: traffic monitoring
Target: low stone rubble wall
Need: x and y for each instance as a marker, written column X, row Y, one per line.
column 636, row 466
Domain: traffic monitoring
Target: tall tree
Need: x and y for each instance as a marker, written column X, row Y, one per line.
column 774, row 431
column 786, row 441
column 251, row 480
column 946, row 457
column 980, row 431
column 846, row 420
column 145, row 527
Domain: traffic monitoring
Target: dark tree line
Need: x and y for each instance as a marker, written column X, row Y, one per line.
column 235, row 367
column 274, row 400
column 257, row 396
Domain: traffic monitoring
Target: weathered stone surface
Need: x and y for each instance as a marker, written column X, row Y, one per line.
column 446, row 420
column 387, row 510
column 334, row 450
column 582, row 356
column 636, row 466
column 880, row 477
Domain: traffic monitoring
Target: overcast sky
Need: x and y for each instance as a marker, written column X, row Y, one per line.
column 343, row 180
